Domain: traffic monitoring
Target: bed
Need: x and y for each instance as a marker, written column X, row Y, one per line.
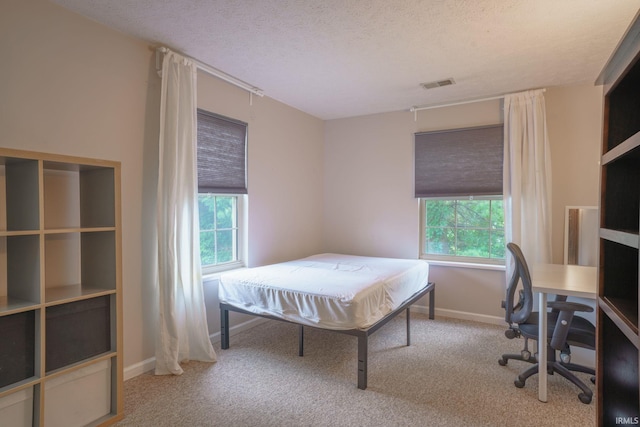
column 348, row 294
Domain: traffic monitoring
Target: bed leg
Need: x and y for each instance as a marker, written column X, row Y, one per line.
column 432, row 302
column 224, row 328
column 363, row 347
column 408, row 327
column 300, row 340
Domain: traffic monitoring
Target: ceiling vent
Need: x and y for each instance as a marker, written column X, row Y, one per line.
column 439, row 83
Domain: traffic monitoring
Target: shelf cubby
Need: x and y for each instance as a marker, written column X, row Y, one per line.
column 619, row 271
column 623, row 105
column 20, row 285
column 79, row 264
column 61, row 197
column 97, row 208
column 18, row 349
column 17, row 408
column 22, row 201
column 619, row 364
column 62, row 262
column 98, row 260
column 81, row 396
column 77, row 331
column 619, row 275
column 624, row 314
column 621, row 199
column 78, row 196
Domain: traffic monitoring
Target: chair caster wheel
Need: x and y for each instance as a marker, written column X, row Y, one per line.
column 502, row 362
column 584, row 398
column 593, row 380
column 519, row 383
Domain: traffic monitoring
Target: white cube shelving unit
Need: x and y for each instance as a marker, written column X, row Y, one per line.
column 60, row 290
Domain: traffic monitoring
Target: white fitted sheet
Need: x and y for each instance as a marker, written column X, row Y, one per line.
column 330, row 291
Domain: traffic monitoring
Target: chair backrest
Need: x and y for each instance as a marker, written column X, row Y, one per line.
column 518, row 313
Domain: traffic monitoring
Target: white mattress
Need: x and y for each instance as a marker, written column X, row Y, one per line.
column 328, row 291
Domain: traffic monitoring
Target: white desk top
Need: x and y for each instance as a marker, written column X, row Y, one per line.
column 570, row 280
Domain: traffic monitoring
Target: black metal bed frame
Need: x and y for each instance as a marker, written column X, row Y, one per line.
column 362, row 334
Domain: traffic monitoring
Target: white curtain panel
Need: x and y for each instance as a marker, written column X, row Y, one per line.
column 182, row 330
column 527, row 176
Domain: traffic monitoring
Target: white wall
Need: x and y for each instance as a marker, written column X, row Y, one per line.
column 369, row 208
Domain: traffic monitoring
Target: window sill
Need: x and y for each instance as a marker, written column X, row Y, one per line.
column 459, row 264
column 215, row 275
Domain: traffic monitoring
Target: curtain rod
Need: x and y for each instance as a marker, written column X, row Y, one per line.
column 414, row 109
column 211, row 71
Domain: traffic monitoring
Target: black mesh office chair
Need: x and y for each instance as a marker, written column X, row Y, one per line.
column 564, row 328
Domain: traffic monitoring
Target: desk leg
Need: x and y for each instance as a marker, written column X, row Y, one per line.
column 542, row 347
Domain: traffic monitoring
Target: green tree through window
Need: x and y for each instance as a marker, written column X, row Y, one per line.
column 218, row 229
column 464, row 228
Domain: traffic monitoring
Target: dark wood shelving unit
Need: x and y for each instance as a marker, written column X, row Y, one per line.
column 618, row 343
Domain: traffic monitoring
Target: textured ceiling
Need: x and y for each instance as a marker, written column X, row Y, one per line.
column 342, row 58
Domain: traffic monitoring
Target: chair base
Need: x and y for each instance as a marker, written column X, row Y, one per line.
column 564, row 369
column 506, row 357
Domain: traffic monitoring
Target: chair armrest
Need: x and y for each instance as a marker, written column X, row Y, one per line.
column 569, row 306
column 563, row 323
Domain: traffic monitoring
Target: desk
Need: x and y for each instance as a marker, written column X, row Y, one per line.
column 558, row 279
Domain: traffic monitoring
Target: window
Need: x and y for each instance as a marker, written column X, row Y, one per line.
column 222, row 189
column 218, row 228
column 458, row 178
column 463, row 228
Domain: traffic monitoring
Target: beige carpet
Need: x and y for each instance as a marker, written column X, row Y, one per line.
column 449, row 376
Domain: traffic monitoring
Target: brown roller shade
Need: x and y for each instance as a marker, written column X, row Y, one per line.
column 459, row 162
column 222, row 144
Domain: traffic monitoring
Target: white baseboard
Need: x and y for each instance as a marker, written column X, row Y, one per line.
column 139, row 368
column 150, row 364
column 215, row 338
column 463, row 315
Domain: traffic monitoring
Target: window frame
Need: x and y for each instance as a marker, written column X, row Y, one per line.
column 241, row 207
column 240, row 242
column 453, row 258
